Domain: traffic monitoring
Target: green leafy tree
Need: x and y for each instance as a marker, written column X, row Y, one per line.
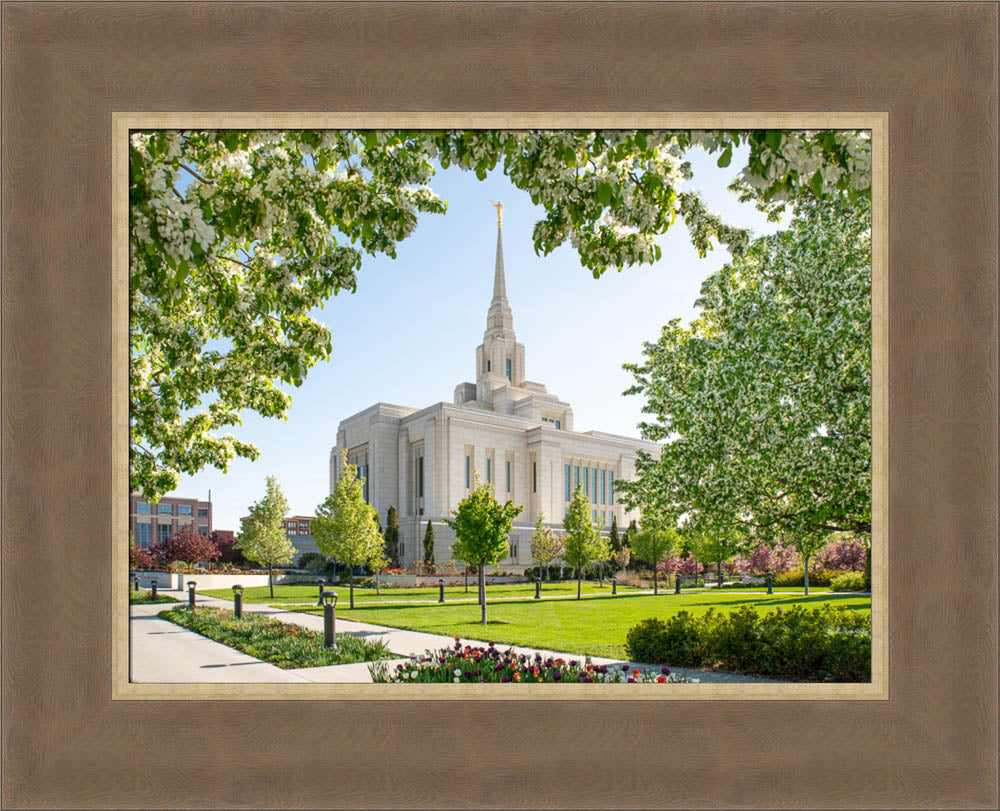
column 545, row 545
column 613, row 539
column 602, row 553
column 346, row 527
column 653, row 543
column 630, row 532
column 580, row 539
column 763, row 403
column 235, row 237
column 621, row 558
column 263, row 539
column 482, row 528
column 807, row 546
column 716, row 544
column 392, row 537
column 429, row 548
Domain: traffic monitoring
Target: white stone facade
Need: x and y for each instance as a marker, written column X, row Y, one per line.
column 509, row 430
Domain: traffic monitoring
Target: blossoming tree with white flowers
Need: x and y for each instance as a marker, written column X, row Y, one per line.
column 235, row 236
column 763, row 403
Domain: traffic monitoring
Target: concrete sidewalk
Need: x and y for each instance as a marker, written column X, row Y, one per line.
column 164, row 653
column 400, row 642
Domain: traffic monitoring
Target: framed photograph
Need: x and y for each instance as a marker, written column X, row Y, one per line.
column 507, row 448
column 110, row 351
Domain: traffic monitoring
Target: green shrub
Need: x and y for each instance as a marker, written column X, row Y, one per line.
column 799, row 644
column 849, row 581
column 315, row 562
column 568, row 573
column 818, row 577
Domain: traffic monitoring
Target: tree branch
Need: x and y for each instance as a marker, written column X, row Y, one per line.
column 194, row 174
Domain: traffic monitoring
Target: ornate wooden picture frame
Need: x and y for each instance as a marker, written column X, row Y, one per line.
column 72, row 72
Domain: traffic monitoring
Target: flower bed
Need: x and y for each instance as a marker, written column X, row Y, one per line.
column 280, row 643
column 469, row 665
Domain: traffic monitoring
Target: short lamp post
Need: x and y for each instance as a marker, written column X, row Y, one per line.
column 770, row 583
column 152, row 587
column 440, row 590
column 538, row 589
column 320, row 582
column 329, row 599
column 614, row 586
column 677, row 583
column 238, row 601
column 135, row 582
column 191, row 585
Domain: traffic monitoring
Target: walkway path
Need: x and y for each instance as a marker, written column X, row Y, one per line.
column 164, row 652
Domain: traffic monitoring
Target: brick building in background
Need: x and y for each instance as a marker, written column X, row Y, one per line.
column 153, row 523
column 298, row 528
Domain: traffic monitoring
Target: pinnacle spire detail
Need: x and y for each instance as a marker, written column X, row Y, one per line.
column 499, row 279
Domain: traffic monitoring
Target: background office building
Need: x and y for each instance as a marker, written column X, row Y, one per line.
column 153, row 523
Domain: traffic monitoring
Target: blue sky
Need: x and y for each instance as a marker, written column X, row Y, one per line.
column 409, row 334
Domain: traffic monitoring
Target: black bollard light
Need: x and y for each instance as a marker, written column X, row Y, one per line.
column 152, row 587
column 614, row 585
column 238, row 601
column 440, row 590
column 538, row 589
column 136, row 582
column 191, row 585
column 770, row 583
column 320, row 581
column 329, row 619
column 677, row 584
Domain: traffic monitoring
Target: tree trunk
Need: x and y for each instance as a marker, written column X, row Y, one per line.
column 656, row 582
column 579, row 581
column 805, row 575
column 718, row 571
column 270, row 579
column 482, row 590
column 351, row 566
column 376, row 584
column 466, row 579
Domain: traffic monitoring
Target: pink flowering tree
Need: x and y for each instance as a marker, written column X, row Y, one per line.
column 843, row 556
column 766, row 558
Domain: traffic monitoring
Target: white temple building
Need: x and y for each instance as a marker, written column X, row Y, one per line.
column 514, row 433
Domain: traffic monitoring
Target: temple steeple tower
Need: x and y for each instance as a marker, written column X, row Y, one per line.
column 500, row 358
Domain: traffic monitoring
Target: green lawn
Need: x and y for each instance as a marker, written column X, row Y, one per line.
column 594, row 626
column 309, row 594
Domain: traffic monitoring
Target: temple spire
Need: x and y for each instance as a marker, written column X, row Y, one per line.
column 499, row 280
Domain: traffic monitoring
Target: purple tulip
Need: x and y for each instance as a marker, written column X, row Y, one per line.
column 625, row 668
column 631, row 681
column 665, row 671
column 557, row 676
column 505, row 678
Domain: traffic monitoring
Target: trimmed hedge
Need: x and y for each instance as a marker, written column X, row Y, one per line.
column 817, row 577
column 823, row 644
column 850, row 581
